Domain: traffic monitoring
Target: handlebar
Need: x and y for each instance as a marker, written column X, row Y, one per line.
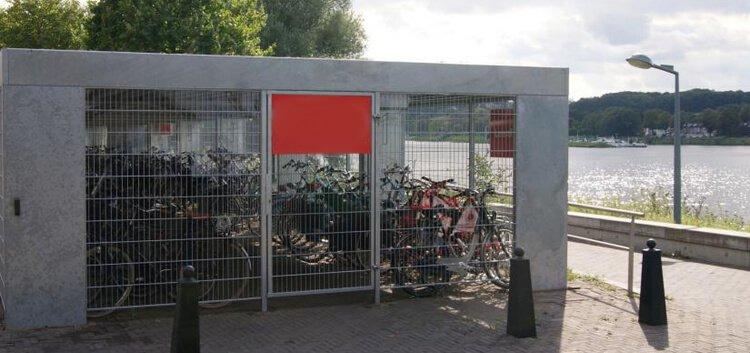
column 446, row 181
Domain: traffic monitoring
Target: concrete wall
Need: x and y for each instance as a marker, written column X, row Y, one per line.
column 542, row 187
column 43, row 145
column 144, row 70
column 722, row 247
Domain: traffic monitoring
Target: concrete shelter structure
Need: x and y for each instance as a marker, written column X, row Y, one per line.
column 44, row 134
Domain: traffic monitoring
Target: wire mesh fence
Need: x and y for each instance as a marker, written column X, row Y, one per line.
column 172, row 178
column 321, row 224
column 449, row 157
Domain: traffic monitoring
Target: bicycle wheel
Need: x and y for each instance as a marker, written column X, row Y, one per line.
column 223, row 273
column 362, row 253
column 110, row 276
column 495, row 255
column 417, row 270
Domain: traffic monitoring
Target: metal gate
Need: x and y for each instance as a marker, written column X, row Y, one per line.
column 445, row 207
column 320, row 234
column 172, row 179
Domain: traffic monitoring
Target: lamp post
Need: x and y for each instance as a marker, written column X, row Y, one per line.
column 644, row 62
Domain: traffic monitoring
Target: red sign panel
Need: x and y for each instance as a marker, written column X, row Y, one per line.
column 501, row 133
column 327, row 124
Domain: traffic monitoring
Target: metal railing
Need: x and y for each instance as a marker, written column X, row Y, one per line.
column 632, row 215
column 614, row 211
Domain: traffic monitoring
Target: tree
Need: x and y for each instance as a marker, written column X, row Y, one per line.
column 313, row 28
column 615, row 121
column 49, row 24
column 656, row 119
column 178, row 26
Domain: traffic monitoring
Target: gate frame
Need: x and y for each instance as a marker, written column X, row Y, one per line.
column 267, row 197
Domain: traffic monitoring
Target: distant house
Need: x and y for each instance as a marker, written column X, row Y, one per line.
column 654, row 132
column 695, row 130
column 745, row 128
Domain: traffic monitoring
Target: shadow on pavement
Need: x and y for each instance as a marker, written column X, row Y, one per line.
column 657, row 336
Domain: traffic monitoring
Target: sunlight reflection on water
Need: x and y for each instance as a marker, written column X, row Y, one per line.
column 718, row 174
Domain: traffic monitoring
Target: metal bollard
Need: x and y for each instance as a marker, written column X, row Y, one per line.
column 521, row 320
column 186, row 330
column 652, row 309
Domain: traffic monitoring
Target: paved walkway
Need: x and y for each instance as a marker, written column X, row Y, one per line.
column 691, row 283
column 467, row 319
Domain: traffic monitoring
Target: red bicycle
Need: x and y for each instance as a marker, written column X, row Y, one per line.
column 453, row 234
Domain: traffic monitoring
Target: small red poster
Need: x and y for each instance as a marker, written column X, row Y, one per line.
column 326, row 124
column 502, row 140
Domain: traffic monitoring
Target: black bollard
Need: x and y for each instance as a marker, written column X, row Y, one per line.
column 652, row 309
column 185, row 330
column 521, row 321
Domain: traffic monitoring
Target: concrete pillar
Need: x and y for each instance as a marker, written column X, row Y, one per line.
column 43, row 156
column 542, row 186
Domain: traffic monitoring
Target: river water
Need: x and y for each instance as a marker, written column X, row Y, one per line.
column 718, row 176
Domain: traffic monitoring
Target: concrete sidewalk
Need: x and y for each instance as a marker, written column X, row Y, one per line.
column 704, row 316
column 692, row 283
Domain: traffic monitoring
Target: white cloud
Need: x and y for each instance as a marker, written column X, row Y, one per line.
column 708, row 41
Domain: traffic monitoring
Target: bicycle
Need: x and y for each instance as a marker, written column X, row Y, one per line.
column 142, row 229
column 448, row 238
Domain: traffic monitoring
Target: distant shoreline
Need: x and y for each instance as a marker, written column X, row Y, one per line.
column 695, row 141
column 700, row 141
column 704, row 141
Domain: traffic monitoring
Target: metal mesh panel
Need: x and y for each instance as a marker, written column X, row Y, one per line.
column 321, row 224
column 437, row 179
column 172, row 179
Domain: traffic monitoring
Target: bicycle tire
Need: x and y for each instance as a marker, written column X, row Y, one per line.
column 495, row 255
column 238, row 292
column 120, row 300
column 416, row 260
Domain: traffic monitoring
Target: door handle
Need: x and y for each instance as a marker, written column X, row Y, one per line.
column 17, row 206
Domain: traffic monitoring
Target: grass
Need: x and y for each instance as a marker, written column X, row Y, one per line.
column 590, row 279
column 657, row 207
column 596, row 281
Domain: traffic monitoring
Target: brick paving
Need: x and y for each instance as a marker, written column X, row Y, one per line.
column 691, row 283
column 465, row 319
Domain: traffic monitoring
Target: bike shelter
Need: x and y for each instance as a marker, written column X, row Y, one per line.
column 272, row 177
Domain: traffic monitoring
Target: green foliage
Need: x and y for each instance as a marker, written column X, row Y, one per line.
column 313, row 28
column 612, row 121
column 590, row 279
column 725, row 113
column 487, row 174
column 657, row 119
column 52, row 24
column 178, row 26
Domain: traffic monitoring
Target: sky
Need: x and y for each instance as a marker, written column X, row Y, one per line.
column 707, row 41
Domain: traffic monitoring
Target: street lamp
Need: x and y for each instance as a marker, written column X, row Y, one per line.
column 644, row 62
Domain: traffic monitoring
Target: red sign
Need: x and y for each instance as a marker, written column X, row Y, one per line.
column 327, row 124
column 165, row 129
column 502, row 141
